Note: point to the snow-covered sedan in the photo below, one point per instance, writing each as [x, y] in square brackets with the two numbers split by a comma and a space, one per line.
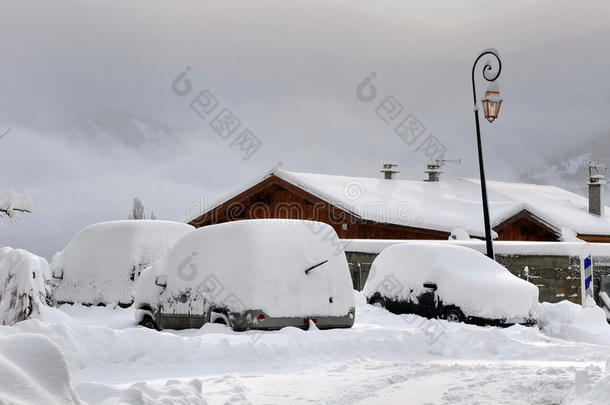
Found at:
[449, 282]
[250, 274]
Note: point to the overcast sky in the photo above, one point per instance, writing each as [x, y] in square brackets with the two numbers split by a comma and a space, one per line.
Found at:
[87, 89]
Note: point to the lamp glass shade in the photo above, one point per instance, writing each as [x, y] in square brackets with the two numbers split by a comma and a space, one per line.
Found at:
[491, 105]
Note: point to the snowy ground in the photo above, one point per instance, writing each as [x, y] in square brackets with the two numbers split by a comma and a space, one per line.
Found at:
[383, 359]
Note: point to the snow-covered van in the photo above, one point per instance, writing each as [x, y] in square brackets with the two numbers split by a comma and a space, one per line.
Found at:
[102, 262]
[250, 274]
[450, 282]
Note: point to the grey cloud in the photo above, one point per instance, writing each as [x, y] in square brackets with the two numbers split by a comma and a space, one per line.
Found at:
[87, 87]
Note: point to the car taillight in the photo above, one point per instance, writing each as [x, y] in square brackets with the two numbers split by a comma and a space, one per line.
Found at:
[261, 317]
[306, 320]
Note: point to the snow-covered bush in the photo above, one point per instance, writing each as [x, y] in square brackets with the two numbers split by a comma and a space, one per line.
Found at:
[25, 285]
[103, 261]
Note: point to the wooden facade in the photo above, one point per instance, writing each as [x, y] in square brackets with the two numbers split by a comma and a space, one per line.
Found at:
[277, 198]
[526, 226]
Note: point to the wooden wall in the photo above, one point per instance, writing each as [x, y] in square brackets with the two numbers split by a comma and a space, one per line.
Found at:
[524, 227]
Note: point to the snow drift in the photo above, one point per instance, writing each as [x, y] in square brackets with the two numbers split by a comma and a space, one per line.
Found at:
[25, 285]
[466, 278]
[33, 370]
[570, 321]
[102, 262]
[590, 388]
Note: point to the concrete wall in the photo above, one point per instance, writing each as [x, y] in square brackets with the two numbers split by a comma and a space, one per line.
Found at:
[557, 277]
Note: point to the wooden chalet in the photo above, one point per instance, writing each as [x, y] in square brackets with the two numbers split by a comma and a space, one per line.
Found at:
[389, 208]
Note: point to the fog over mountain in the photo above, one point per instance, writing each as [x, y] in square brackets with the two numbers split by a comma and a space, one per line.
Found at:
[87, 89]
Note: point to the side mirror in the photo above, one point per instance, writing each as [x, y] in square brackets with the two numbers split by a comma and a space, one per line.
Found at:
[161, 281]
[430, 286]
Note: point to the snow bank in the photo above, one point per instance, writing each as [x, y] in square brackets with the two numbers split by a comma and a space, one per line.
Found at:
[11, 203]
[260, 264]
[107, 355]
[142, 393]
[103, 260]
[478, 285]
[33, 370]
[589, 388]
[24, 285]
[570, 321]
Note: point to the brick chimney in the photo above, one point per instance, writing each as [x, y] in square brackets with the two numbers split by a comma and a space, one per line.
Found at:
[596, 189]
[387, 168]
[434, 170]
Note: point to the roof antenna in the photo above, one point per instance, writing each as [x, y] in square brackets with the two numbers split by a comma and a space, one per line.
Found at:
[434, 168]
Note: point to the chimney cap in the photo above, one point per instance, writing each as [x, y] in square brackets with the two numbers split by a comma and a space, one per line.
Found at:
[387, 168]
[434, 168]
[597, 179]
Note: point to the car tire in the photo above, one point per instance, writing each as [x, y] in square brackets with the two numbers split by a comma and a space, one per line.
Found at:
[148, 322]
[220, 318]
[378, 303]
[453, 314]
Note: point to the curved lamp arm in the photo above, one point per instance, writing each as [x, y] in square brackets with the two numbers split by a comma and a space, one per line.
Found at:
[488, 70]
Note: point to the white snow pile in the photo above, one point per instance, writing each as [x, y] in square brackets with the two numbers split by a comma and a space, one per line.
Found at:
[33, 370]
[260, 264]
[11, 203]
[25, 285]
[141, 393]
[103, 261]
[459, 234]
[590, 388]
[570, 321]
[466, 278]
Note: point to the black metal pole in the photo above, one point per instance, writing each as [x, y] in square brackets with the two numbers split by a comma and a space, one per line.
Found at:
[488, 239]
[487, 67]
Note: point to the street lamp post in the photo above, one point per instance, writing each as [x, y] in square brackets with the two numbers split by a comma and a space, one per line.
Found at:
[491, 106]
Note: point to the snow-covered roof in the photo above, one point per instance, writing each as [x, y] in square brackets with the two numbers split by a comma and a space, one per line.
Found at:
[445, 205]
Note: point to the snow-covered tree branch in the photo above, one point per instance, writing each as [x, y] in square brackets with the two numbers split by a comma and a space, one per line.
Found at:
[12, 203]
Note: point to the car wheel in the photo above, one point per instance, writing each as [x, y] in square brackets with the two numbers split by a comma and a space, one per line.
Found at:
[454, 315]
[219, 318]
[148, 322]
[378, 304]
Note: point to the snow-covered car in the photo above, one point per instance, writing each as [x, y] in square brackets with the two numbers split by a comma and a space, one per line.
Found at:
[251, 274]
[449, 282]
[102, 262]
